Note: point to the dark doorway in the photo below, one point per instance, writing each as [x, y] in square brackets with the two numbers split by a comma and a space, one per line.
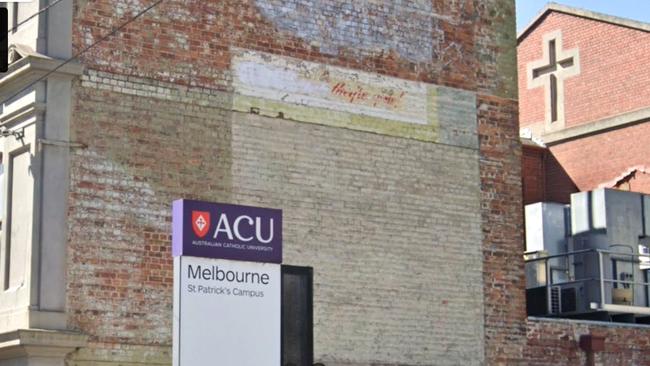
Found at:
[297, 316]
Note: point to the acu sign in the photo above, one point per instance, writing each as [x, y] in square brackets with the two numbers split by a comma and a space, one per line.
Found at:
[217, 230]
[227, 284]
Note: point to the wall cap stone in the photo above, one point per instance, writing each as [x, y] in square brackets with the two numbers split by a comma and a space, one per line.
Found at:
[29, 69]
[39, 343]
[599, 126]
[535, 319]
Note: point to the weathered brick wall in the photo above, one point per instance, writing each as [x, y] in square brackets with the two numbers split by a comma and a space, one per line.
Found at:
[387, 223]
[502, 214]
[500, 169]
[190, 42]
[609, 54]
[393, 226]
[556, 342]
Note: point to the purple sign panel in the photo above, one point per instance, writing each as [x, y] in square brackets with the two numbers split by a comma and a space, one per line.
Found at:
[219, 230]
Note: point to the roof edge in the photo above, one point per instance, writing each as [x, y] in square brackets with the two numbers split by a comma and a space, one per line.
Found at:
[582, 13]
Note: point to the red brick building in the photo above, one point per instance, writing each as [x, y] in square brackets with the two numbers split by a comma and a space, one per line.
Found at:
[583, 92]
[584, 108]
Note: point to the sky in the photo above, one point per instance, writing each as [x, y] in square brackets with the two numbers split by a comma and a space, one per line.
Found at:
[631, 9]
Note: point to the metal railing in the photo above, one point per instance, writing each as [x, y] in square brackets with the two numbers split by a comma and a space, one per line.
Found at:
[607, 280]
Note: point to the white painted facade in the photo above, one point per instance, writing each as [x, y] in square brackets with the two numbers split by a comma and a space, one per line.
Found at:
[35, 156]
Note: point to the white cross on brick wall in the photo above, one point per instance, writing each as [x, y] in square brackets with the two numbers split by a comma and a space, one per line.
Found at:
[550, 72]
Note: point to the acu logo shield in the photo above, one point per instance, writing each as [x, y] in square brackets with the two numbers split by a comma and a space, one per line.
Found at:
[200, 223]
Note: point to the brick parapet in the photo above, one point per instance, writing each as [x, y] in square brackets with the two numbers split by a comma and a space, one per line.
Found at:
[556, 341]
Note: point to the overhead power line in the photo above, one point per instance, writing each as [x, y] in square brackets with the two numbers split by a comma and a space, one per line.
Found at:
[102, 39]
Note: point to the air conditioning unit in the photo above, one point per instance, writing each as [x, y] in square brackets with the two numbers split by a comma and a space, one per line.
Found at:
[565, 299]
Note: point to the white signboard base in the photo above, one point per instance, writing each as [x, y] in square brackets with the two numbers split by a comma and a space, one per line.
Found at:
[226, 313]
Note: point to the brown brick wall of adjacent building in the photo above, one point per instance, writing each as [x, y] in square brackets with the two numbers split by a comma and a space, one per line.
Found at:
[608, 53]
[544, 179]
[533, 174]
[559, 184]
[602, 159]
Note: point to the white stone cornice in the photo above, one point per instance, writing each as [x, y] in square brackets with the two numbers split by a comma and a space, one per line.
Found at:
[26, 343]
[19, 115]
[29, 69]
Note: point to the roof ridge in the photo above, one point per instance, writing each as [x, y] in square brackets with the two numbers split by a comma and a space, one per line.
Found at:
[582, 13]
